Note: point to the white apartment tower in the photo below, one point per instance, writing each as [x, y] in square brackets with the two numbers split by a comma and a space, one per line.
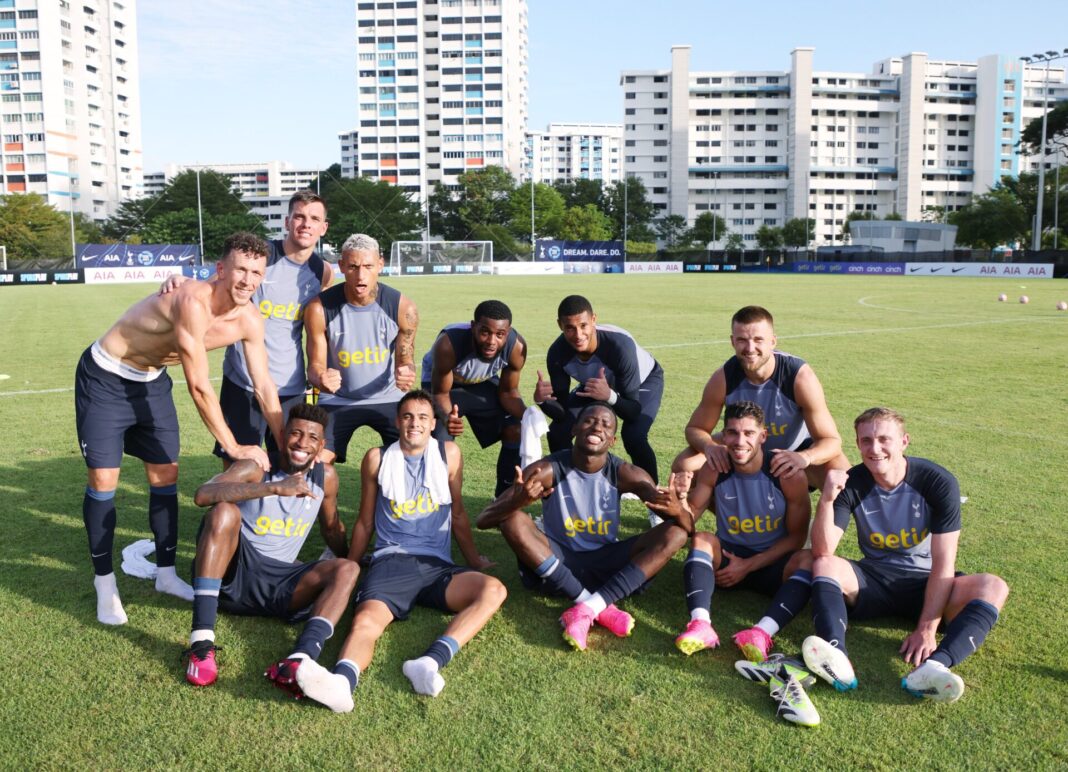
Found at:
[570, 151]
[442, 89]
[762, 147]
[70, 99]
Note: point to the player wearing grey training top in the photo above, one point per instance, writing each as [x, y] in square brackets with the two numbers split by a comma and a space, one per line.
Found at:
[361, 348]
[907, 512]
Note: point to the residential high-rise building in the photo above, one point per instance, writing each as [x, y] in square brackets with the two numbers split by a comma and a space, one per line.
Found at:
[570, 151]
[442, 89]
[912, 137]
[71, 105]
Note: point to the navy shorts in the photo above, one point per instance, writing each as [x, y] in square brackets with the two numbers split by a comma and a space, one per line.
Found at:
[346, 419]
[256, 585]
[592, 568]
[766, 580]
[243, 415]
[480, 404]
[404, 581]
[887, 596]
[116, 415]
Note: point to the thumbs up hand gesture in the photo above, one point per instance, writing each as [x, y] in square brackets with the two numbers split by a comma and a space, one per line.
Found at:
[455, 425]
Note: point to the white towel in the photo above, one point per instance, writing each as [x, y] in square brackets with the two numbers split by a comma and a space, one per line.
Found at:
[391, 474]
[531, 430]
[135, 560]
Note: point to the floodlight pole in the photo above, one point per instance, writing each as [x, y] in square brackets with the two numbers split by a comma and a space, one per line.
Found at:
[200, 219]
[1047, 57]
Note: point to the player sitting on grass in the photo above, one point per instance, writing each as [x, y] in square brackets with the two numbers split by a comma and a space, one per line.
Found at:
[248, 546]
[410, 501]
[473, 371]
[907, 512]
[580, 547]
[761, 520]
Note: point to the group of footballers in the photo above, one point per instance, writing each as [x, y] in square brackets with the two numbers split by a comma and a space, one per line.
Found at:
[754, 473]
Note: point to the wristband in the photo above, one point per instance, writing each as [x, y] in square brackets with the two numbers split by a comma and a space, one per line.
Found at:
[613, 397]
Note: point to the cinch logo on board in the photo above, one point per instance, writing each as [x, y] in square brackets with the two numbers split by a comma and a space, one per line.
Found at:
[279, 527]
[292, 312]
[421, 505]
[366, 356]
[765, 524]
[903, 539]
[575, 525]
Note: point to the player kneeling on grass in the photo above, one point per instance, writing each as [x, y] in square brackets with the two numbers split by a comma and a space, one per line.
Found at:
[907, 512]
[580, 547]
[248, 545]
[411, 500]
[761, 521]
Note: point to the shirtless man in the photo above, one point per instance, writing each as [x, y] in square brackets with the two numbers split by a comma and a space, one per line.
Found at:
[122, 397]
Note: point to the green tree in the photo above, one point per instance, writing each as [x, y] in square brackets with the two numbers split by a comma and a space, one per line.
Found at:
[485, 196]
[735, 243]
[991, 219]
[444, 211]
[797, 232]
[183, 227]
[31, 228]
[933, 213]
[130, 217]
[87, 230]
[853, 217]
[548, 211]
[375, 207]
[581, 191]
[707, 228]
[639, 210]
[586, 223]
[1056, 131]
[769, 238]
[671, 229]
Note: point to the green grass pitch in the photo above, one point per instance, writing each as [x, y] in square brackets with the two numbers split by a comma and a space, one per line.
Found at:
[982, 384]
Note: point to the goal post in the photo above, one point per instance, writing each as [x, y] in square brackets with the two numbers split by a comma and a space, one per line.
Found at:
[440, 257]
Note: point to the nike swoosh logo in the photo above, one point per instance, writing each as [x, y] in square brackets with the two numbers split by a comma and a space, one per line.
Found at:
[169, 549]
[913, 270]
[102, 554]
[957, 270]
[729, 498]
[936, 270]
[692, 593]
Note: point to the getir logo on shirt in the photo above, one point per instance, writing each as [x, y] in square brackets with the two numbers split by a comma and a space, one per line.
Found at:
[292, 312]
[421, 505]
[365, 356]
[903, 539]
[575, 525]
[276, 526]
[758, 524]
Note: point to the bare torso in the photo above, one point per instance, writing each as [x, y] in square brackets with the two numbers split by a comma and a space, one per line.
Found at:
[145, 336]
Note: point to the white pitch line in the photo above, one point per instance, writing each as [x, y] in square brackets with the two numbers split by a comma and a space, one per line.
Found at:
[834, 333]
[61, 391]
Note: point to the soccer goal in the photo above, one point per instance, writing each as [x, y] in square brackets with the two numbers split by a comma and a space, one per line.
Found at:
[440, 257]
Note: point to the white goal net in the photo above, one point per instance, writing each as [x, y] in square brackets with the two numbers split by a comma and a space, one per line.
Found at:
[440, 257]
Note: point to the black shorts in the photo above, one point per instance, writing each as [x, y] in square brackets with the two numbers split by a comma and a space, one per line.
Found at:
[346, 419]
[480, 404]
[115, 415]
[766, 580]
[592, 568]
[256, 585]
[404, 581]
[881, 595]
[243, 415]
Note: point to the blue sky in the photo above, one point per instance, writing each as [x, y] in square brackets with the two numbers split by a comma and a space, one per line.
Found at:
[226, 81]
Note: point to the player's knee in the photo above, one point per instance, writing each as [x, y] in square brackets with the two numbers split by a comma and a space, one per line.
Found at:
[675, 539]
[799, 561]
[222, 519]
[825, 565]
[515, 527]
[346, 572]
[494, 592]
[993, 589]
[704, 541]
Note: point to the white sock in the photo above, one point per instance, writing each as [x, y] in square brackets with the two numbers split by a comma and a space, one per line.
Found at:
[596, 602]
[769, 626]
[326, 688]
[109, 609]
[584, 596]
[167, 581]
[298, 655]
[424, 675]
[702, 614]
[201, 635]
